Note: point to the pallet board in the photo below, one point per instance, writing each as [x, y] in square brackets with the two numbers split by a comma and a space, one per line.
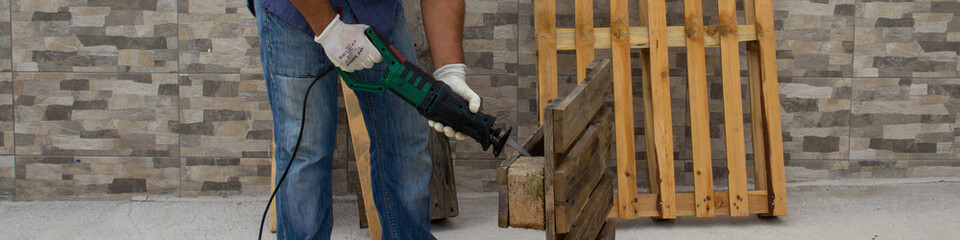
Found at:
[653, 37]
[563, 188]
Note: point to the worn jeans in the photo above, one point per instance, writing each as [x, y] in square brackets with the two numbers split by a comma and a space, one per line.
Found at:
[400, 164]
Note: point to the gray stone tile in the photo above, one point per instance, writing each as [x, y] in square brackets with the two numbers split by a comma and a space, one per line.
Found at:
[8, 182]
[224, 115]
[815, 118]
[907, 39]
[490, 36]
[475, 175]
[6, 114]
[814, 38]
[807, 171]
[94, 36]
[96, 114]
[6, 40]
[218, 37]
[224, 176]
[904, 168]
[904, 119]
[65, 177]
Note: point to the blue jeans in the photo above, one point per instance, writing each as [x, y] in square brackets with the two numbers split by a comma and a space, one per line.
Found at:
[400, 164]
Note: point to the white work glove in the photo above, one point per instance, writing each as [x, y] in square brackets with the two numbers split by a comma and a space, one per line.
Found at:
[347, 47]
[454, 76]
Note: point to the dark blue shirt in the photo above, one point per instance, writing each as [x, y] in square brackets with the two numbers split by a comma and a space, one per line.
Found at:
[376, 13]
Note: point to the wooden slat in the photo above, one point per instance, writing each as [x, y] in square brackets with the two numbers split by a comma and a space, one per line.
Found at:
[549, 166]
[534, 146]
[579, 173]
[525, 188]
[566, 39]
[361, 150]
[771, 107]
[623, 107]
[686, 206]
[576, 109]
[756, 104]
[594, 214]
[443, 186]
[546, 33]
[733, 107]
[699, 113]
[273, 185]
[578, 169]
[584, 36]
[660, 98]
[609, 230]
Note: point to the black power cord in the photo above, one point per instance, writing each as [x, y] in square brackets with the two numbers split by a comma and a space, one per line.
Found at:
[303, 116]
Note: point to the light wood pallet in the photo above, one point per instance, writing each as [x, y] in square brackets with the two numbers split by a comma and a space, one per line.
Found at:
[565, 188]
[653, 37]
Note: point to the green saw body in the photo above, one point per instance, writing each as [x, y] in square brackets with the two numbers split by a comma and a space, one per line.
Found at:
[432, 98]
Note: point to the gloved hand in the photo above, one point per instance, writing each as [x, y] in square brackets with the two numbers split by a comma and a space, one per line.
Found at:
[454, 75]
[347, 47]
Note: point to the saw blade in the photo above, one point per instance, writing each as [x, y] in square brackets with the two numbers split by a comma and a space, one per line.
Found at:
[515, 145]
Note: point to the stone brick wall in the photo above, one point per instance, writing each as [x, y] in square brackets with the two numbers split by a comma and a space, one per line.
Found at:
[116, 98]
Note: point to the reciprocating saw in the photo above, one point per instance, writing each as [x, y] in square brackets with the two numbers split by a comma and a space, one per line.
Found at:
[432, 98]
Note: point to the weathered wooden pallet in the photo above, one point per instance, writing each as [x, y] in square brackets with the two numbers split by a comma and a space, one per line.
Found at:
[565, 188]
[653, 38]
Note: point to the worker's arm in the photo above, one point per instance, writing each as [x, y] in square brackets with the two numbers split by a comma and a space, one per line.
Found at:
[443, 23]
[317, 13]
[344, 44]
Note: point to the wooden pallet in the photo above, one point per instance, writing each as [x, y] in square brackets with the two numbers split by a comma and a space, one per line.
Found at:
[566, 188]
[653, 38]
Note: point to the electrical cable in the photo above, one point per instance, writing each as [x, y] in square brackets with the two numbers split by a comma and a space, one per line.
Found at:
[303, 116]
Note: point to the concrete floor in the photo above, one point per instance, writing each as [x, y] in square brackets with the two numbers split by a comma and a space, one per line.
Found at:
[876, 209]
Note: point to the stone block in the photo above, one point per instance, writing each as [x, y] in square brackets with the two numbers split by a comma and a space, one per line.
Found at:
[217, 40]
[112, 115]
[62, 36]
[904, 119]
[224, 176]
[224, 115]
[92, 178]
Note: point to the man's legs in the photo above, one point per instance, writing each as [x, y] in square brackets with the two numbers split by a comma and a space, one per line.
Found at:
[291, 60]
[399, 161]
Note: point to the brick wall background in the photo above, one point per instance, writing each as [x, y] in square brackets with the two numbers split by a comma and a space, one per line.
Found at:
[115, 98]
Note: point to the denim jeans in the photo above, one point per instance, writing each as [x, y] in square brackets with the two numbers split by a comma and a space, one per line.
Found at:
[400, 164]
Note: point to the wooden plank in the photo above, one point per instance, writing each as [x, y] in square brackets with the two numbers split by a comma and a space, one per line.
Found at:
[273, 185]
[686, 206]
[623, 107]
[733, 108]
[582, 169]
[534, 146]
[361, 150]
[771, 107]
[443, 186]
[526, 192]
[594, 214]
[549, 166]
[699, 113]
[577, 108]
[584, 36]
[660, 98]
[756, 104]
[648, 133]
[609, 230]
[546, 27]
[566, 37]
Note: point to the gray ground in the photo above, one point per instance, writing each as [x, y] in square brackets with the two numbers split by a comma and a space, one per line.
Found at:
[885, 209]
